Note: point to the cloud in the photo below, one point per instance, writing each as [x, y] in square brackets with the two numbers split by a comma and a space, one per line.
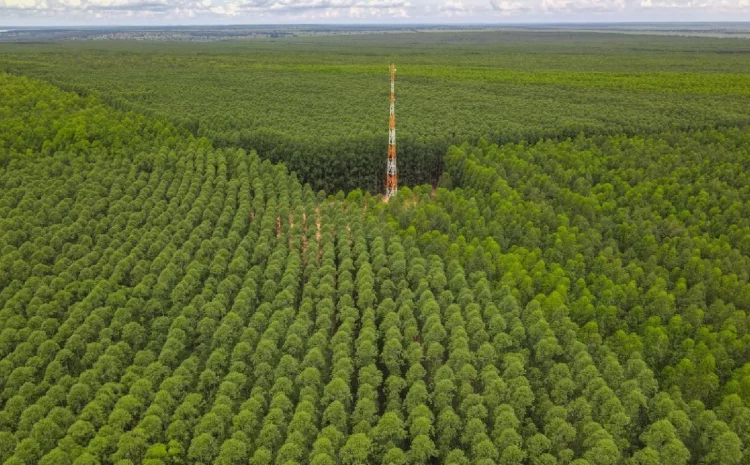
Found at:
[304, 5]
[459, 9]
[120, 5]
[116, 8]
[305, 10]
[23, 5]
[582, 6]
[484, 10]
[315, 9]
[505, 7]
[452, 7]
[686, 3]
[342, 11]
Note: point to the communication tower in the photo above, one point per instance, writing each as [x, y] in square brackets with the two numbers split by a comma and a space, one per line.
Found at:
[391, 177]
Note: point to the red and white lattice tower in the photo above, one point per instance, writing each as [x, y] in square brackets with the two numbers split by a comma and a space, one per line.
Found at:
[391, 175]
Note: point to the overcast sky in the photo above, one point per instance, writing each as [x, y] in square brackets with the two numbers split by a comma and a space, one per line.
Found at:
[160, 12]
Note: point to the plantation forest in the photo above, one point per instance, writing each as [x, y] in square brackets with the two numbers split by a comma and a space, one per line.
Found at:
[197, 265]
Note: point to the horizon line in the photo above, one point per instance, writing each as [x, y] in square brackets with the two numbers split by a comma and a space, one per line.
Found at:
[386, 25]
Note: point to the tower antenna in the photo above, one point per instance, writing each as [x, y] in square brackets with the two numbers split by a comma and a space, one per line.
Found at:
[391, 178]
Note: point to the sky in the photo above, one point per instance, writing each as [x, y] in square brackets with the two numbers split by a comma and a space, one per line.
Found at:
[184, 12]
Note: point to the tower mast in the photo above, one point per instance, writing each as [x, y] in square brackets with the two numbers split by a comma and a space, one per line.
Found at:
[391, 179]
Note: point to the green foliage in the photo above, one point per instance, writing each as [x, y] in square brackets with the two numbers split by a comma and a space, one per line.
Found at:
[321, 107]
[172, 300]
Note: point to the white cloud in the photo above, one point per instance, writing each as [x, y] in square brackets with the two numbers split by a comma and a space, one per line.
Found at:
[23, 4]
[302, 5]
[580, 6]
[452, 7]
[315, 9]
[506, 8]
[127, 5]
[737, 7]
